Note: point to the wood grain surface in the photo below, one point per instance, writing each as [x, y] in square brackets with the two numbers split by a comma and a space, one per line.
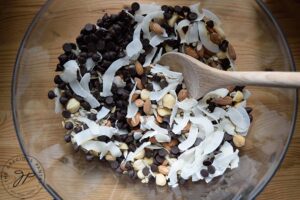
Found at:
[16, 15]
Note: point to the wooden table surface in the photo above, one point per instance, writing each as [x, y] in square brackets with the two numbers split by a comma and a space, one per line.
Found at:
[15, 16]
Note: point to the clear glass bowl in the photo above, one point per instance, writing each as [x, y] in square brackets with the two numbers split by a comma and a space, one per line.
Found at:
[260, 45]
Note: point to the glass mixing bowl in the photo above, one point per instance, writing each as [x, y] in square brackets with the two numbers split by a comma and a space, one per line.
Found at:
[260, 45]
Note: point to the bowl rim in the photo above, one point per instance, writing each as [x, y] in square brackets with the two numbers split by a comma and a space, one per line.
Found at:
[52, 192]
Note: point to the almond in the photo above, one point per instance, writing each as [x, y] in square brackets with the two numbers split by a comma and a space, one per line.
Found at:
[167, 146]
[159, 119]
[183, 94]
[172, 21]
[223, 101]
[191, 52]
[231, 52]
[200, 52]
[230, 88]
[139, 83]
[173, 142]
[163, 169]
[156, 28]
[139, 103]
[215, 38]
[145, 94]
[134, 97]
[133, 122]
[139, 68]
[147, 107]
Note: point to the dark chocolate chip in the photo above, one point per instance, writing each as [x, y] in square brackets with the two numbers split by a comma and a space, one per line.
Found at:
[148, 154]
[149, 86]
[96, 57]
[162, 152]
[63, 100]
[110, 55]
[67, 138]
[211, 106]
[192, 16]
[154, 168]
[175, 150]
[207, 163]
[186, 9]
[181, 181]
[165, 8]
[114, 164]
[69, 125]
[227, 137]
[135, 6]
[89, 28]
[59, 68]
[146, 171]
[211, 169]
[204, 173]
[128, 166]
[224, 45]
[109, 100]
[81, 60]
[156, 78]
[63, 58]
[67, 47]
[163, 84]
[77, 129]
[168, 15]
[210, 24]
[85, 105]
[100, 45]
[58, 80]
[178, 9]
[51, 94]
[92, 116]
[66, 114]
[159, 159]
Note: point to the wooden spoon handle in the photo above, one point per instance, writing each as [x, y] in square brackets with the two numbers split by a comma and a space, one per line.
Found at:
[279, 79]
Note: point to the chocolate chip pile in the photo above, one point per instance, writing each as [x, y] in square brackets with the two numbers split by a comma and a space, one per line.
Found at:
[119, 105]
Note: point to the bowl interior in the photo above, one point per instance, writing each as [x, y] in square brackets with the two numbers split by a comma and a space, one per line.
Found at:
[258, 46]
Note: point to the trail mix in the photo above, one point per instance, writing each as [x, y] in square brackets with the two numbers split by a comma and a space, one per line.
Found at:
[120, 105]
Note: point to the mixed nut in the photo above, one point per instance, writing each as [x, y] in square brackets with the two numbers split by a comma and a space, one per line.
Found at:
[119, 105]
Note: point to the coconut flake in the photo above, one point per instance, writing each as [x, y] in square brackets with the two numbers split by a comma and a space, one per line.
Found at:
[193, 133]
[85, 80]
[134, 48]
[109, 75]
[102, 113]
[150, 57]
[78, 89]
[152, 125]
[227, 126]
[192, 34]
[196, 9]
[210, 15]
[187, 104]
[90, 64]
[102, 147]
[179, 27]
[158, 56]
[70, 71]
[158, 95]
[205, 38]
[132, 109]
[203, 123]
[239, 118]
[212, 141]
[181, 123]
[119, 82]
[156, 86]
[172, 176]
[58, 106]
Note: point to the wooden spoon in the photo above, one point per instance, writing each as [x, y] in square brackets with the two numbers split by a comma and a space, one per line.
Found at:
[201, 78]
